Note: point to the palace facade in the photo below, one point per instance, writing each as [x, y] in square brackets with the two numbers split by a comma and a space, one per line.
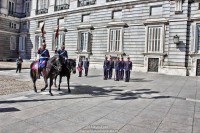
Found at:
[158, 35]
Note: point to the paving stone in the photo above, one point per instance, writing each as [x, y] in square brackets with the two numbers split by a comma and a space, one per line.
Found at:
[145, 122]
[18, 127]
[154, 115]
[107, 124]
[84, 118]
[135, 129]
[7, 120]
[43, 120]
[181, 119]
[119, 117]
[64, 126]
[171, 127]
[99, 111]
[41, 131]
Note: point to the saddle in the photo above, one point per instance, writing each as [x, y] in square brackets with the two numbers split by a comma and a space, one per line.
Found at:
[36, 67]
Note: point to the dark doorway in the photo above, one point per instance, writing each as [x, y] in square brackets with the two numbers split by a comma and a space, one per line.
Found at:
[198, 67]
[153, 64]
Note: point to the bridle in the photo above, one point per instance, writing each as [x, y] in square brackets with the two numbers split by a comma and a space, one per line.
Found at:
[54, 66]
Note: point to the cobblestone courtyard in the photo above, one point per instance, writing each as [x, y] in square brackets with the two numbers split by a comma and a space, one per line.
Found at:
[150, 103]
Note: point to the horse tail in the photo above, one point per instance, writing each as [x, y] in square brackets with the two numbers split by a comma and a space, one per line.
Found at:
[31, 71]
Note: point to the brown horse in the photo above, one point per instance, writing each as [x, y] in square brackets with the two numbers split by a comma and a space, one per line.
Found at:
[53, 68]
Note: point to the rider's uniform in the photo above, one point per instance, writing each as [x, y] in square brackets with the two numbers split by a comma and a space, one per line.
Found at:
[44, 57]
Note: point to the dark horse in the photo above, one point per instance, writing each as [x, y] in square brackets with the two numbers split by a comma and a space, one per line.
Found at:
[67, 68]
[53, 67]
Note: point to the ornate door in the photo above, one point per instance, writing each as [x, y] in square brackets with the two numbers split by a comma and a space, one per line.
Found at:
[198, 67]
[153, 64]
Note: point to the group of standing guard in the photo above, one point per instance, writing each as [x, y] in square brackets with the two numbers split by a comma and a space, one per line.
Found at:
[122, 69]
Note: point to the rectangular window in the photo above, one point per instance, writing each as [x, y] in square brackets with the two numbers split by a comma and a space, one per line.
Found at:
[85, 18]
[61, 5]
[117, 15]
[27, 8]
[13, 43]
[60, 2]
[57, 42]
[178, 5]
[42, 6]
[14, 25]
[84, 40]
[22, 43]
[86, 2]
[61, 21]
[40, 24]
[11, 7]
[154, 39]
[198, 41]
[38, 42]
[156, 10]
[83, 43]
[115, 40]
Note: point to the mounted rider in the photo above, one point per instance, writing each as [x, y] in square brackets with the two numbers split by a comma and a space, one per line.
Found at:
[63, 53]
[44, 57]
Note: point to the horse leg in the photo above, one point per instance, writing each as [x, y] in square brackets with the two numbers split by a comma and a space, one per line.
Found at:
[60, 80]
[51, 83]
[46, 84]
[34, 78]
[55, 81]
[68, 77]
[34, 86]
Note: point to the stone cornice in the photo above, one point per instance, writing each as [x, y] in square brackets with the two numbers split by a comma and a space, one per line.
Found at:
[117, 24]
[88, 26]
[156, 21]
[4, 16]
[120, 4]
[61, 29]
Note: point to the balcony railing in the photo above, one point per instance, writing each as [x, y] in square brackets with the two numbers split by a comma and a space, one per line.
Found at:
[41, 11]
[16, 14]
[86, 2]
[61, 7]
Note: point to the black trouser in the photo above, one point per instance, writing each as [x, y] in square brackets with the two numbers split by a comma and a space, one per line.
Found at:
[127, 73]
[122, 74]
[117, 75]
[19, 67]
[105, 73]
[80, 73]
[110, 73]
[86, 71]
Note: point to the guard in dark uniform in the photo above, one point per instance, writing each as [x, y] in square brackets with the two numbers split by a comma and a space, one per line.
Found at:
[128, 67]
[117, 68]
[86, 66]
[44, 57]
[111, 66]
[19, 64]
[80, 67]
[106, 68]
[121, 69]
[63, 53]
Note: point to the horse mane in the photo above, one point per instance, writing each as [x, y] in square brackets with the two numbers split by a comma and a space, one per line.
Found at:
[53, 58]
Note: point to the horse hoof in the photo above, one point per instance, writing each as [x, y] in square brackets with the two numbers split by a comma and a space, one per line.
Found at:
[42, 89]
[59, 89]
[69, 91]
[51, 94]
